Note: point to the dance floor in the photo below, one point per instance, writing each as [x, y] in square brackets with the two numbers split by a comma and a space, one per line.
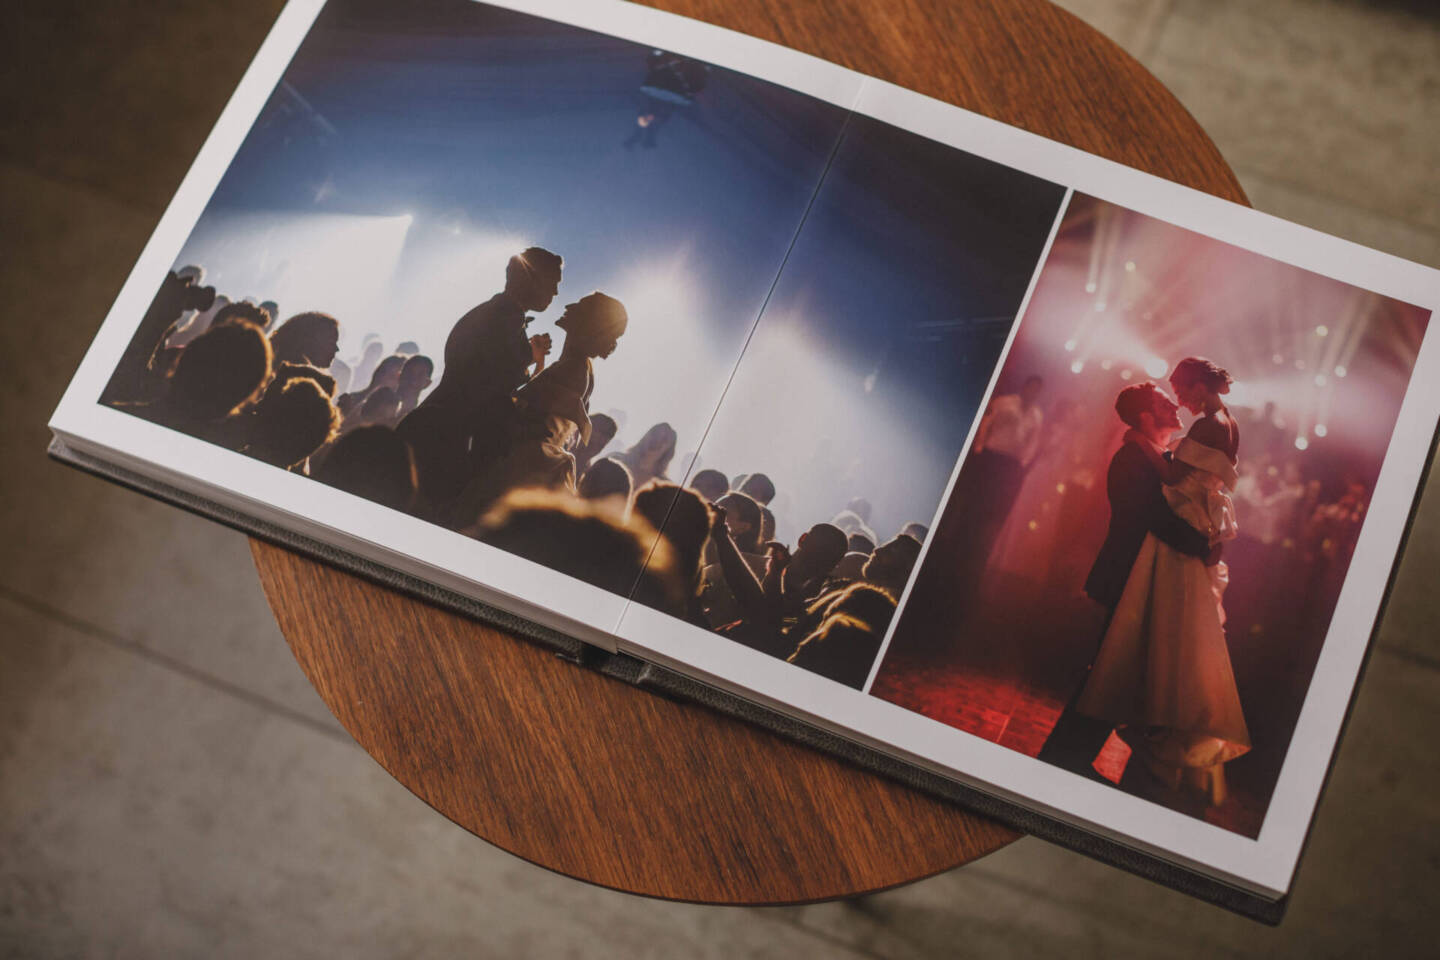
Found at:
[1006, 678]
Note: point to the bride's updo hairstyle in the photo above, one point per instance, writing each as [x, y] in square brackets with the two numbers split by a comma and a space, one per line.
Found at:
[1204, 372]
[596, 315]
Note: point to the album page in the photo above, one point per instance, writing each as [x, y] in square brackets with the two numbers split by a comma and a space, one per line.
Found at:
[1086, 487]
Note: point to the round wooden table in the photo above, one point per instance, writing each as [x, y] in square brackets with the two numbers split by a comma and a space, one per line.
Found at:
[595, 779]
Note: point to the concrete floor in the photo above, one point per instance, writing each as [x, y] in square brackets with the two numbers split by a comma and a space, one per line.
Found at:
[171, 786]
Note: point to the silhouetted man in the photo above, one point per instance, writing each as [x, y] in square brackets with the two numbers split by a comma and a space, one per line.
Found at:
[1137, 508]
[464, 420]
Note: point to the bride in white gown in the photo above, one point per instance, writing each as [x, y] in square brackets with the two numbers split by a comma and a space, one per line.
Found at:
[1163, 674]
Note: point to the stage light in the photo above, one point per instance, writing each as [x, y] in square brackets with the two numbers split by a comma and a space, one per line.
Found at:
[1126, 374]
[343, 264]
[1340, 372]
[1299, 364]
[787, 353]
[1320, 430]
[1077, 366]
[1320, 380]
[1100, 307]
[1129, 266]
[1059, 488]
[1090, 287]
[1032, 525]
[1322, 331]
[1106, 364]
[1156, 367]
[1276, 359]
[674, 79]
[1070, 345]
[446, 276]
[667, 319]
[1301, 443]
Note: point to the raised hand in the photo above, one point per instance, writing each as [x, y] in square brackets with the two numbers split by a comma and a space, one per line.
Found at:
[539, 349]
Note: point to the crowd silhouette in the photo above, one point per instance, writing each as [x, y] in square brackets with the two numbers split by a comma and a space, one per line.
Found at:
[505, 448]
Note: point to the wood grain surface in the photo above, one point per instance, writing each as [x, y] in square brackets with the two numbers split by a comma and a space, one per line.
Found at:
[594, 779]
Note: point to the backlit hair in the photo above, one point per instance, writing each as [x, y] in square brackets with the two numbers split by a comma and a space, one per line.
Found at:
[1136, 399]
[294, 339]
[219, 371]
[1202, 371]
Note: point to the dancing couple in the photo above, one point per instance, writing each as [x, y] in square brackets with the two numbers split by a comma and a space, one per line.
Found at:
[499, 417]
[1161, 677]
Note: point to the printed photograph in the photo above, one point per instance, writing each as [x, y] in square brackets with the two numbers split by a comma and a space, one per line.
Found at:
[1137, 565]
[672, 330]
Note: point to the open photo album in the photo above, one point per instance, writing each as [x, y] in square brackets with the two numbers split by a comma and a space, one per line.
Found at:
[1027, 472]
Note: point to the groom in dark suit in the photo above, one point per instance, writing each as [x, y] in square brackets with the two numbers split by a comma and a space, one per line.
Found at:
[1137, 508]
